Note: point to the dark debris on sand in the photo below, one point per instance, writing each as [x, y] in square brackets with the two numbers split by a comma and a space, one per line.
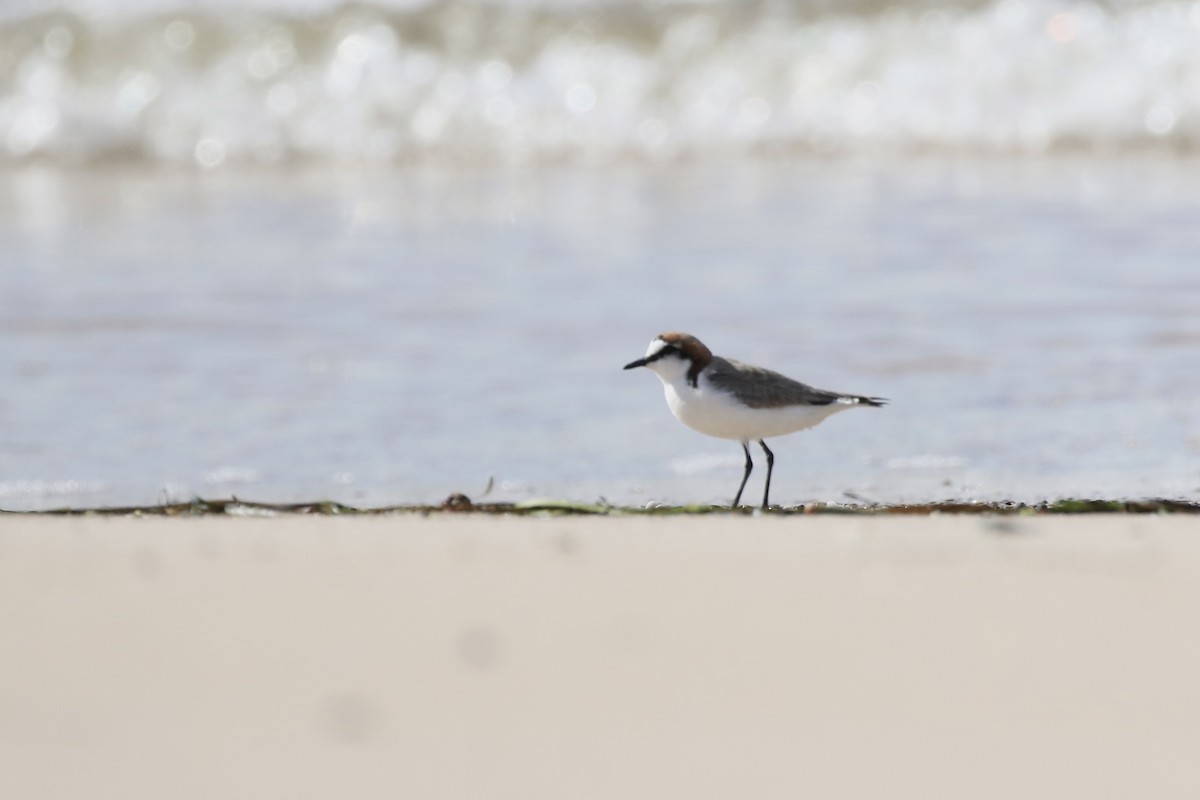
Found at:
[459, 503]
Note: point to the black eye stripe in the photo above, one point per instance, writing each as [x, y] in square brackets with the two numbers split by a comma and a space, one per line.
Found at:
[666, 351]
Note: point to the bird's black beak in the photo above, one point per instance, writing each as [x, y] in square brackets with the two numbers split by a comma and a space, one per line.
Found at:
[641, 362]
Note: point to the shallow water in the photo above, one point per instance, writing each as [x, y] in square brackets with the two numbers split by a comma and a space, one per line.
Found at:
[396, 335]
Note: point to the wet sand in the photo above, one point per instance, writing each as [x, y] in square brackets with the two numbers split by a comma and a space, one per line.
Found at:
[476, 657]
[324, 304]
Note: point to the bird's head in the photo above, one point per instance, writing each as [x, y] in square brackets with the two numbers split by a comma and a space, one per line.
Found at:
[673, 356]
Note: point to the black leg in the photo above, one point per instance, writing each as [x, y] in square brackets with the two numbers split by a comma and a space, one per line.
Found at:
[745, 477]
[770, 466]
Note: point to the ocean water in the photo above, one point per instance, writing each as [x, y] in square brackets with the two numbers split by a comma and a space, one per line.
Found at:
[380, 253]
[515, 81]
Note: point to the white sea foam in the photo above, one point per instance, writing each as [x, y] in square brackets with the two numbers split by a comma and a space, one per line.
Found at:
[21, 489]
[214, 85]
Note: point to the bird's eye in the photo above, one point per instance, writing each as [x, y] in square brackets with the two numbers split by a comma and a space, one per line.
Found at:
[663, 352]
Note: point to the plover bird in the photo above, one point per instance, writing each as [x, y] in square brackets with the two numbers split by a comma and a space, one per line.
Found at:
[732, 400]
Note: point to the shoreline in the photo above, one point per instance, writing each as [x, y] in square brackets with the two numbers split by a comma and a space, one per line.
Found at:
[461, 504]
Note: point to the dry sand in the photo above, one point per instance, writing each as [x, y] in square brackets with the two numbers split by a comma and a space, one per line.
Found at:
[475, 657]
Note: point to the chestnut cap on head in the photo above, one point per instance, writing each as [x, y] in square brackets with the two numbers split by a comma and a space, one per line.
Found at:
[683, 345]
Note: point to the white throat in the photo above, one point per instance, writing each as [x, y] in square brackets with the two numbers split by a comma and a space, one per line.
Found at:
[671, 370]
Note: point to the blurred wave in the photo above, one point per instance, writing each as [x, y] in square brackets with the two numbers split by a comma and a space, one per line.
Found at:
[269, 81]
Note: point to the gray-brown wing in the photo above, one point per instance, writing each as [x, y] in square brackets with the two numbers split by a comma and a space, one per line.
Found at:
[764, 388]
